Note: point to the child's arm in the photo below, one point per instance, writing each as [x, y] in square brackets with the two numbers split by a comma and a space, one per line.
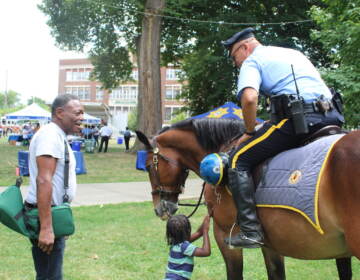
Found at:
[205, 250]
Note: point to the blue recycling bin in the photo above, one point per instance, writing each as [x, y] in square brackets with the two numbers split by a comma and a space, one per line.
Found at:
[120, 140]
[23, 163]
[141, 157]
[76, 146]
[80, 163]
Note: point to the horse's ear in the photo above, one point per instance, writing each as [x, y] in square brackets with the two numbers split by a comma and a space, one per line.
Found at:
[143, 139]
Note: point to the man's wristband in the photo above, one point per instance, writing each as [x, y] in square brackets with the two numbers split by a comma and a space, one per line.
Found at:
[250, 133]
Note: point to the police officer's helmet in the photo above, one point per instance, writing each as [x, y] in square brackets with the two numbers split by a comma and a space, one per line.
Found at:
[213, 168]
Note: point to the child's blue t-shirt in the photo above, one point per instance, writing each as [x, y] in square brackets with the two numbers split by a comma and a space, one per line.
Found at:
[180, 262]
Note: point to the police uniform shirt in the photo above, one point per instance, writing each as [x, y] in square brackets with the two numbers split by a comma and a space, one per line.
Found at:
[268, 69]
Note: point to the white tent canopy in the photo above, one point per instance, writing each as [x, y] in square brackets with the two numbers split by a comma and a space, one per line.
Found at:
[88, 119]
[31, 112]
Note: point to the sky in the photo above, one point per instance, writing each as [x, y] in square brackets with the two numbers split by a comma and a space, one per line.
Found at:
[29, 59]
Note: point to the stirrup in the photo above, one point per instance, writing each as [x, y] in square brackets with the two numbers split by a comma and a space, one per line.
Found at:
[256, 243]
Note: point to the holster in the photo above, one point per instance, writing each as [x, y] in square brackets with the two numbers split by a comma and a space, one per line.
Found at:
[337, 100]
[285, 106]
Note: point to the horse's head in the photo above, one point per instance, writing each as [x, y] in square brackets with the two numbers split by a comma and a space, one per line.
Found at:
[179, 148]
[167, 176]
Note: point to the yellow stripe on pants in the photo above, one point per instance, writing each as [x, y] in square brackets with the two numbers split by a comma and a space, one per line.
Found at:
[256, 141]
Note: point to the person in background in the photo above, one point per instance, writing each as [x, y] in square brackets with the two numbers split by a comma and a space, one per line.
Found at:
[182, 252]
[37, 127]
[26, 134]
[127, 136]
[46, 166]
[86, 132]
[96, 133]
[105, 134]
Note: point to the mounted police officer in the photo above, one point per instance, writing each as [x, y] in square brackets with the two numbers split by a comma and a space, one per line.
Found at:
[301, 104]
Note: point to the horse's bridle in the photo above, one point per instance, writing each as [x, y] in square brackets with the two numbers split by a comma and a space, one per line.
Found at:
[154, 169]
[159, 188]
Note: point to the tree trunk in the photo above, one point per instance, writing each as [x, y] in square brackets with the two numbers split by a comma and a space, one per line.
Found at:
[149, 99]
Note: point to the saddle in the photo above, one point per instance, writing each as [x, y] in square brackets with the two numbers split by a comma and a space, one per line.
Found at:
[325, 131]
[290, 179]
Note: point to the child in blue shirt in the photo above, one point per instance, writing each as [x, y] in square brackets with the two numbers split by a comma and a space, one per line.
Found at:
[182, 252]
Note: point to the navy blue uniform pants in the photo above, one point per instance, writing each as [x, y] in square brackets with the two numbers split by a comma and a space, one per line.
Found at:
[272, 139]
[49, 267]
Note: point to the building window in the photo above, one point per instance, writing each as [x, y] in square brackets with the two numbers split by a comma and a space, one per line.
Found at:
[172, 91]
[126, 92]
[170, 112]
[135, 75]
[83, 93]
[99, 93]
[80, 74]
[172, 74]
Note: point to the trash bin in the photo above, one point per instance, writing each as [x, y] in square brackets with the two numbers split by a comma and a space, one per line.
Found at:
[141, 157]
[90, 145]
[80, 163]
[120, 140]
[23, 163]
[76, 146]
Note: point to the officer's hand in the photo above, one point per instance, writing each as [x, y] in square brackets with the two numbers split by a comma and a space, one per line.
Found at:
[46, 241]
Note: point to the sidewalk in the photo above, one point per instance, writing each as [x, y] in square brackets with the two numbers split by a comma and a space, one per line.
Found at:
[109, 193]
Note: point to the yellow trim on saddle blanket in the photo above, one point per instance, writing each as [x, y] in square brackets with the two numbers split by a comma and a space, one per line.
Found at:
[316, 225]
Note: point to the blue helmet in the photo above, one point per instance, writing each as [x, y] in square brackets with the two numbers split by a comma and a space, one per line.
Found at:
[213, 167]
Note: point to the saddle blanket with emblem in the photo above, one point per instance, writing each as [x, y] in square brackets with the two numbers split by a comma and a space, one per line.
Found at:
[292, 179]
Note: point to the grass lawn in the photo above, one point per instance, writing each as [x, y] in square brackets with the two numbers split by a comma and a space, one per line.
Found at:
[114, 166]
[126, 242]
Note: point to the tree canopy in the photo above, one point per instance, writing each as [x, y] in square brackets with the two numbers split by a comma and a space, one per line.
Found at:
[339, 32]
[196, 42]
[191, 35]
[9, 99]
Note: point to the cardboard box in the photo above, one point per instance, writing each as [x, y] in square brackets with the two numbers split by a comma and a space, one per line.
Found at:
[12, 142]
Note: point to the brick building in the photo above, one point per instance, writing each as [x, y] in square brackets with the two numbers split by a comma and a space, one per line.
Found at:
[74, 79]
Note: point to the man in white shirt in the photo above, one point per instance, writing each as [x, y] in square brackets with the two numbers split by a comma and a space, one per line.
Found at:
[105, 134]
[46, 166]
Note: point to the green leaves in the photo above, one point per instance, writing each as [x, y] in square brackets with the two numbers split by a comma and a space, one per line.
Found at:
[339, 32]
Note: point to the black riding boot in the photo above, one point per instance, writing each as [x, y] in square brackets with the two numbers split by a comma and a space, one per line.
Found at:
[242, 188]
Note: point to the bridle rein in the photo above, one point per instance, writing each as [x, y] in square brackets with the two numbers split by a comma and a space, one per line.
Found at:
[153, 169]
[159, 188]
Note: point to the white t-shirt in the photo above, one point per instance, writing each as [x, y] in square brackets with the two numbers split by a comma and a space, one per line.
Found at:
[105, 131]
[49, 140]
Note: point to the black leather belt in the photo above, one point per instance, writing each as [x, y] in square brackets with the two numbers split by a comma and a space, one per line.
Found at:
[30, 205]
[312, 107]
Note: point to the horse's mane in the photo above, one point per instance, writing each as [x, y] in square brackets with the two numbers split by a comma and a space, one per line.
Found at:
[211, 133]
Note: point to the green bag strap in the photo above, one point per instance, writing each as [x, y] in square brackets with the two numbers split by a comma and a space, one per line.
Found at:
[66, 173]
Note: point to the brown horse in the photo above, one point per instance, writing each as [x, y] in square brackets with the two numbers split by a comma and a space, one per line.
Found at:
[175, 150]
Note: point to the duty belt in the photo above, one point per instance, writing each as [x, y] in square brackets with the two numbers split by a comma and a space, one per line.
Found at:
[313, 107]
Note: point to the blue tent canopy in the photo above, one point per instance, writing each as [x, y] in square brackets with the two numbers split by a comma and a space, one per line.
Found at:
[227, 111]
[88, 119]
[31, 112]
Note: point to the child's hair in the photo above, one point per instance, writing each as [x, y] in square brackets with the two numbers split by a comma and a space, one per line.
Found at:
[178, 229]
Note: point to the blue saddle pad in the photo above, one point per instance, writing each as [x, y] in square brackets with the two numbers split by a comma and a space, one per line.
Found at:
[292, 179]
